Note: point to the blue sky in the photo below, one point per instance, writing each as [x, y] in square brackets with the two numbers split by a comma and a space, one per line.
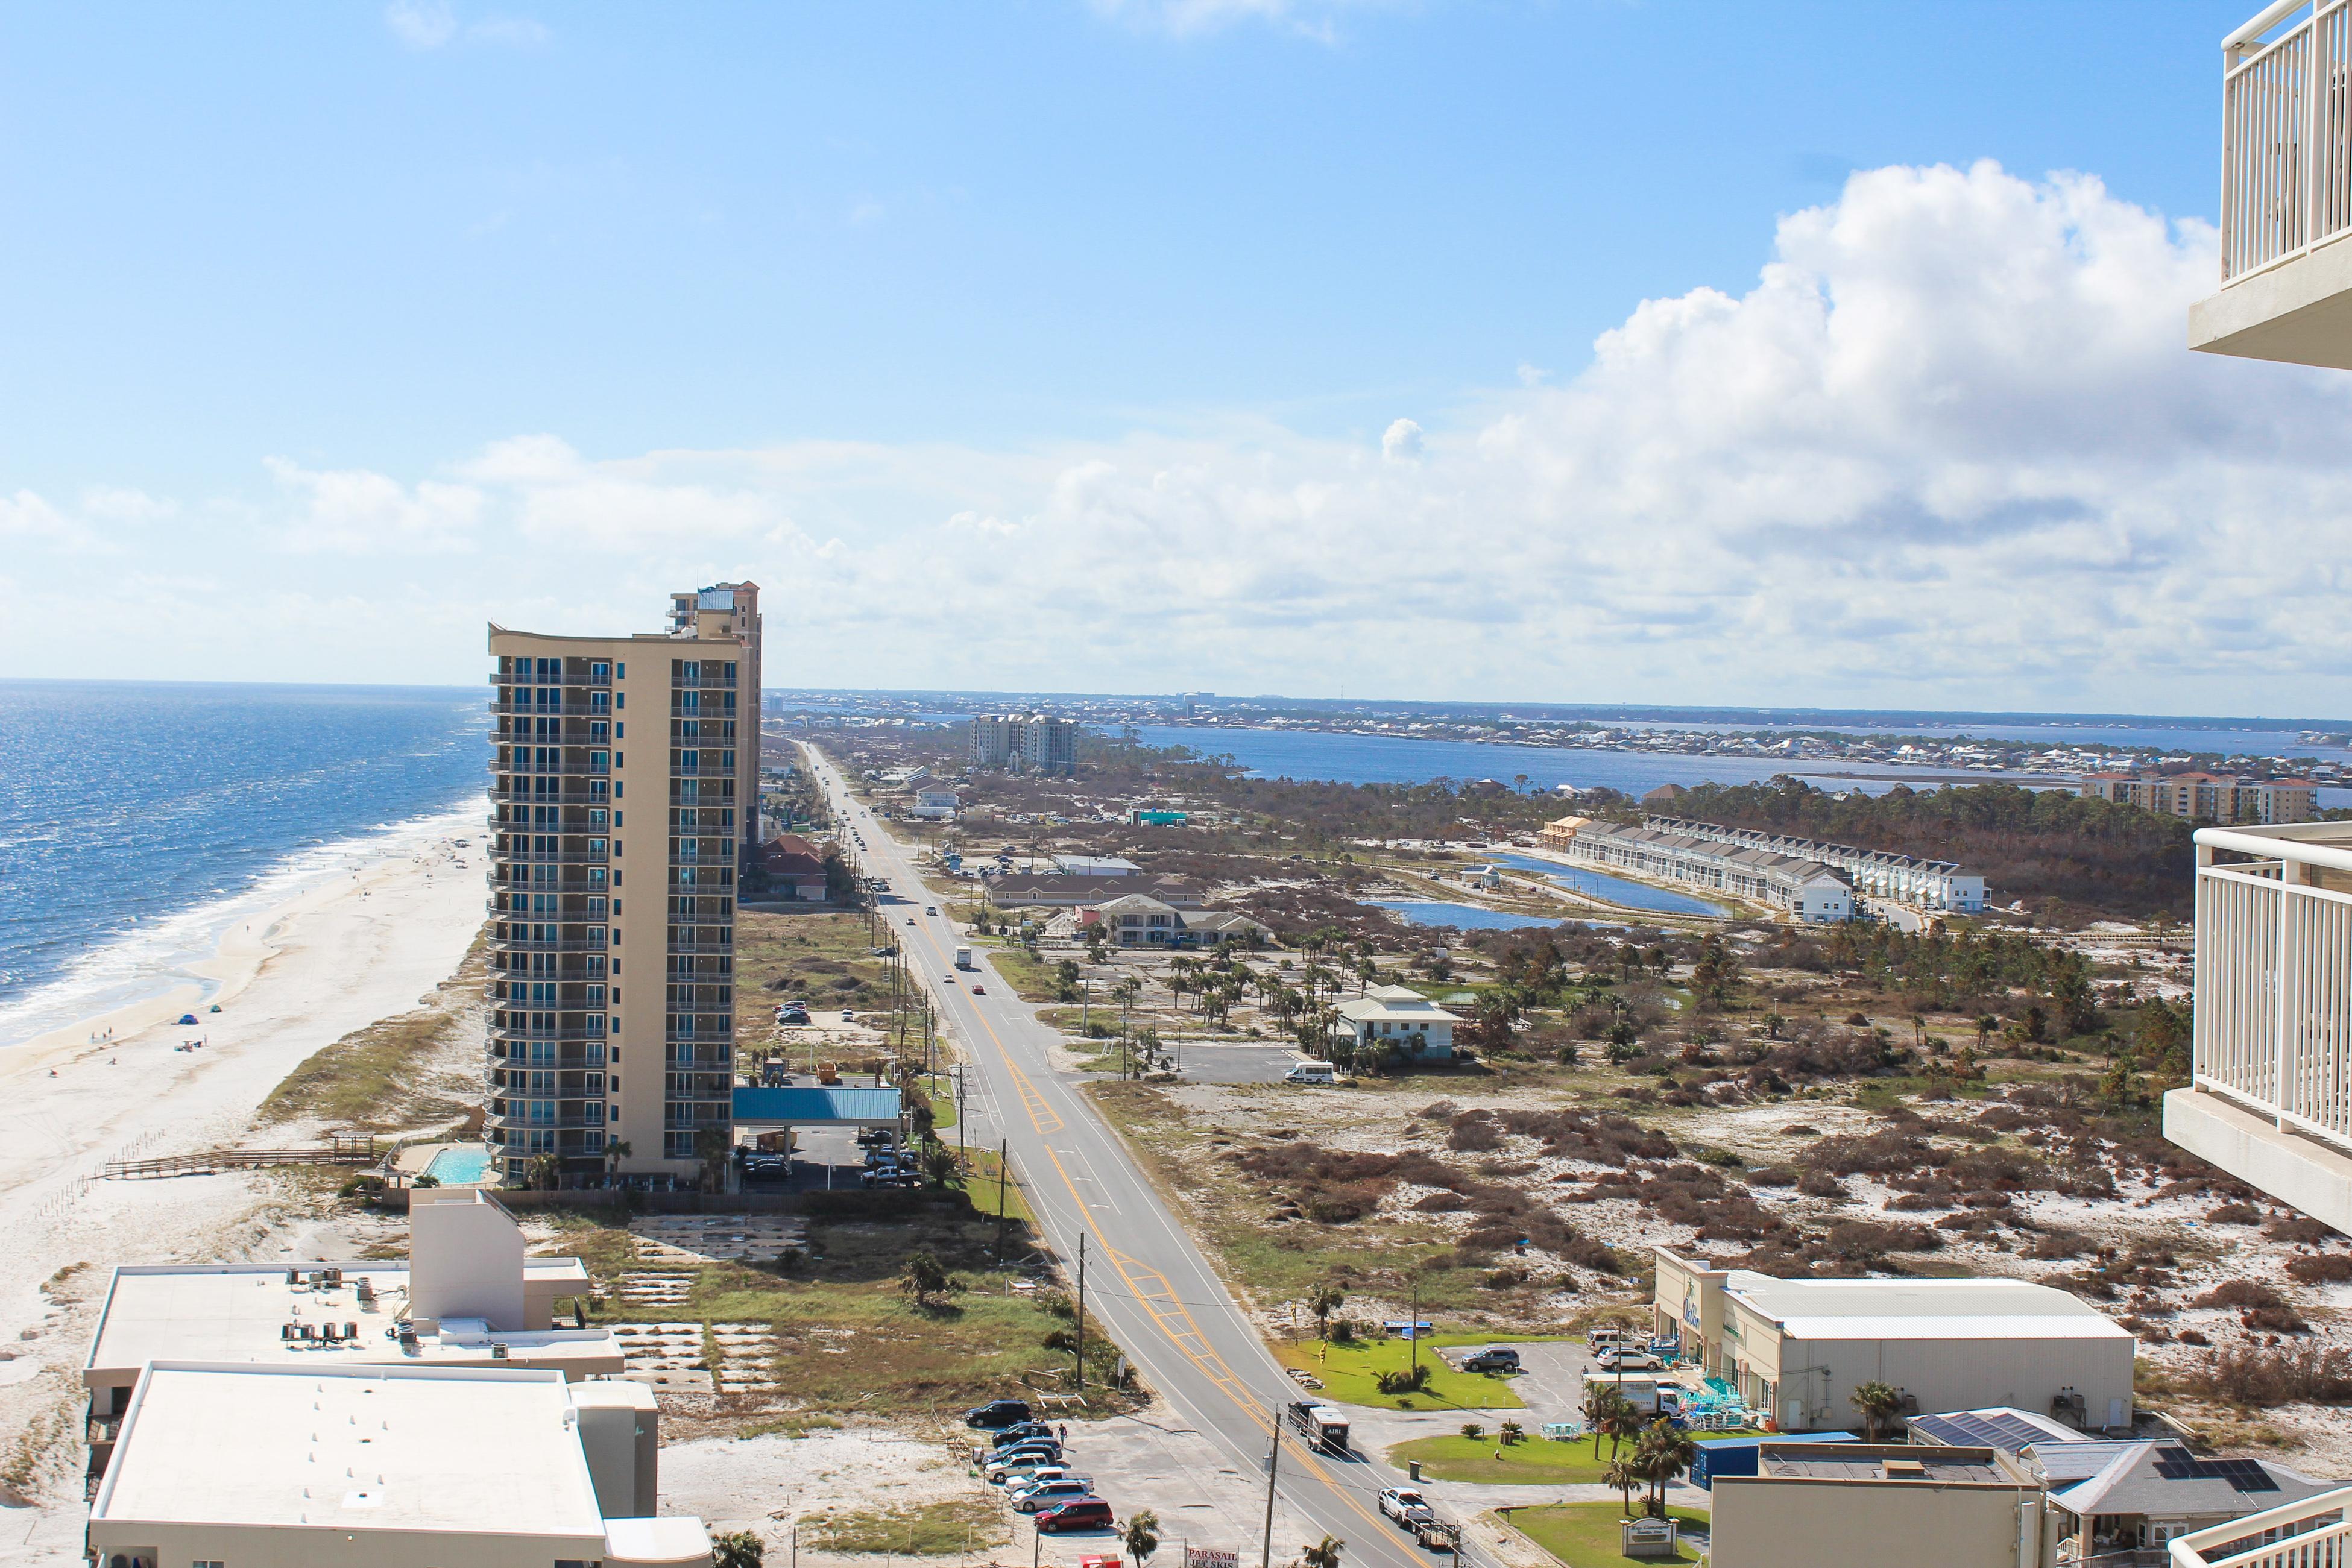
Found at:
[264, 228]
[270, 266]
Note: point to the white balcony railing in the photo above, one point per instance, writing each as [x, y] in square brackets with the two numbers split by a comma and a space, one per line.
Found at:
[2273, 1010]
[2312, 1534]
[2287, 133]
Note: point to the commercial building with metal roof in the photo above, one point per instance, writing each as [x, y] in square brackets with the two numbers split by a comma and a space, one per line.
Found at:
[1798, 1348]
[1813, 1504]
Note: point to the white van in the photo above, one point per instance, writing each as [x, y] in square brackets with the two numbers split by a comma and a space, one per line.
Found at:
[1311, 1072]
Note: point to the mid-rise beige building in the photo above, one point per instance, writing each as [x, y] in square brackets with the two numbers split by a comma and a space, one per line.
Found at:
[577, 1075]
[2210, 797]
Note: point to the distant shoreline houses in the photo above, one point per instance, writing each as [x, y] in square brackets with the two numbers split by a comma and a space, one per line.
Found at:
[1817, 883]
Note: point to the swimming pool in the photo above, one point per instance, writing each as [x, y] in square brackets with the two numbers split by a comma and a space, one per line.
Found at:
[459, 1167]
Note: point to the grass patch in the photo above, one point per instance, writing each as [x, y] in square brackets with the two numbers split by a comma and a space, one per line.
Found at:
[1280, 1264]
[850, 1339]
[799, 1424]
[1350, 1375]
[1031, 980]
[918, 1530]
[1584, 1534]
[825, 958]
[383, 1076]
[1536, 1461]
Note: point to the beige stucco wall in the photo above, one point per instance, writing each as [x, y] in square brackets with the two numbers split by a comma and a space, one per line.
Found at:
[1765, 1522]
[329, 1546]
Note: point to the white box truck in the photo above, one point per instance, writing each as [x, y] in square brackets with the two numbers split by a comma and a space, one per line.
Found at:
[963, 958]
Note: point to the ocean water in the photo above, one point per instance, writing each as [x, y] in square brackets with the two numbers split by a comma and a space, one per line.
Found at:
[137, 820]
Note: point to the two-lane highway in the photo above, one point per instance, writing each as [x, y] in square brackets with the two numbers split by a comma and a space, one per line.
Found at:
[1146, 1280]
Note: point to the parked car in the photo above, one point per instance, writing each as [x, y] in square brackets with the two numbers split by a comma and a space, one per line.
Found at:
[1079, 1513]
[1406, 1506]
[1626, 1359]
[999, 1471]
[1040, 1495]
[1494, 1358]
[1035, 1478]
[1021, 1432]
[997, 1413]
[1026, 1448]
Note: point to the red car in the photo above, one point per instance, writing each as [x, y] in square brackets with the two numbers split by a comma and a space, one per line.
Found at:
[1078, 1513]
[980, 990]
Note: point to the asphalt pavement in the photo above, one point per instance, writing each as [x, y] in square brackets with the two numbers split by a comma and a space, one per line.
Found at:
[1144, 1276]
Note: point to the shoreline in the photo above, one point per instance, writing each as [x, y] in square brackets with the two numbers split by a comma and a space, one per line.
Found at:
[228, 938]
[368, 942]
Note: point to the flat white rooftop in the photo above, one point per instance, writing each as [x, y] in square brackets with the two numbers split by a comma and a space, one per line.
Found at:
[238, 1313]
[380, 1448]
[1920, 1309]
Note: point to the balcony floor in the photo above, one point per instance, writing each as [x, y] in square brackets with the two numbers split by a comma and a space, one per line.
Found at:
[2299, 1171]
[2298, 312]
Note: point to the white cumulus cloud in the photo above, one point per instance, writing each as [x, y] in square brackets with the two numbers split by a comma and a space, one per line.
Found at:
[1401, 440]
[1945, 449]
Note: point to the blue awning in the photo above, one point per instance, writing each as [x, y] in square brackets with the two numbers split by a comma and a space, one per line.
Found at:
[812, 1107]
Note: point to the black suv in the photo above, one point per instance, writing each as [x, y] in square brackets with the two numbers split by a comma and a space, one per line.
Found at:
[1494, 1358]
[996, 1413]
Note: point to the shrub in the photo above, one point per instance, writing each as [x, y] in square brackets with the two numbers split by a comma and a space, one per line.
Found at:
[1471, 1430]
[1820, 1184]
[2235, 1214]
[2322, 1268]
[2298, 1230]
[2308, 1374]
[1406, 1380]
[2240, 1293]
[1772, 1175]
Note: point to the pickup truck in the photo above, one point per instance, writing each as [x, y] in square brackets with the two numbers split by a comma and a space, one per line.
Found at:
[1406, 1506]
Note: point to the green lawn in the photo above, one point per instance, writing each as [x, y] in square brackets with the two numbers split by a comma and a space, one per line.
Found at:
[1584, 1534]
[1350, 1375]
[1536, 1461]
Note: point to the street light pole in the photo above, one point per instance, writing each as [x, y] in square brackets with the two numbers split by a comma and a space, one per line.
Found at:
[1273, 1463]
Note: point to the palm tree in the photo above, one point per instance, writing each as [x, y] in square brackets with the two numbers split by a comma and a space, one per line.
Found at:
[541, 1172]
[1324, 1553]
[711, 1146]
[1663, 1454]
[1625, 1476]
[1323, 1300]
[1601, 1402]
[741, 1549]
[1877, 1402]
[615, 1151]
[1141, 1535]
[1623, 1426]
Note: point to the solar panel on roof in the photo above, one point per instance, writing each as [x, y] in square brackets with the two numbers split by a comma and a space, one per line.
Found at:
[2177, 1464]
[1967, 1429]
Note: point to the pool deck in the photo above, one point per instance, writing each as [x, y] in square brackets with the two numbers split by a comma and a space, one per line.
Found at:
[412, 1162]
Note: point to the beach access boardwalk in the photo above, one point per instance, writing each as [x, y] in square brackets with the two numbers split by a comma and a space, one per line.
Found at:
[343, 1149]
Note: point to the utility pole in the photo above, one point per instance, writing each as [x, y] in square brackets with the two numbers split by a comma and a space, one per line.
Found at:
[963, 1120]
[1273, 1462]
[1413, 1328]
[1003, 1164]
[1082, 1308]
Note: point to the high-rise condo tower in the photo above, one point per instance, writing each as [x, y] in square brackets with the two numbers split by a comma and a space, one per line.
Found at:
[585, 1084]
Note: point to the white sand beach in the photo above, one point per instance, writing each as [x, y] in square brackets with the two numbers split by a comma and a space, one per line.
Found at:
[366, 944]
